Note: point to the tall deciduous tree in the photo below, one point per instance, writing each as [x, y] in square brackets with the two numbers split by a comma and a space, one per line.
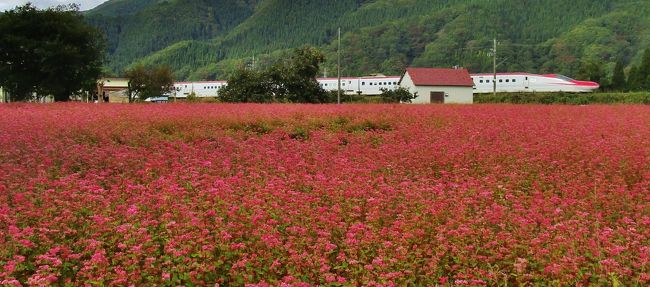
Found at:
[149, 82]
[289, 81]
[48, 52]
[247, 86]
[295, 81]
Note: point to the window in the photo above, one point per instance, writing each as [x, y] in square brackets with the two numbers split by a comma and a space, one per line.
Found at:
[363, 83]
[514, 80]
[507, 80]
[481, 81]
[500, 81]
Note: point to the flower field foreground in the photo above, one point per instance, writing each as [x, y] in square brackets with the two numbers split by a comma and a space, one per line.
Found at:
[300, 195]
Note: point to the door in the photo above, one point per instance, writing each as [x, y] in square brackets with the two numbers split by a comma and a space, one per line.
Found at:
[526, 83]
[437, 97]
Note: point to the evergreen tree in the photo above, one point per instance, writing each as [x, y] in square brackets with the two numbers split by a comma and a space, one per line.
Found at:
[643, 73]
[618, 77]
[633, 82]
[147, 83]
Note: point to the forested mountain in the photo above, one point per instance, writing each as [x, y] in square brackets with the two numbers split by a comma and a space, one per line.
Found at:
[207, 39]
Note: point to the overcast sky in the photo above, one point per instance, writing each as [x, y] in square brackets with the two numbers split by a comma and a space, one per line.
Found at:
[84, 4]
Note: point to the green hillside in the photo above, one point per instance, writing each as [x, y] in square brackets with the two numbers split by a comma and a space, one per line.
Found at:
[207, 39]
[153, 25]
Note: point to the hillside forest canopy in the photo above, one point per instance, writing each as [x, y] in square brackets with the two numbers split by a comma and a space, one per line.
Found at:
[210, 39]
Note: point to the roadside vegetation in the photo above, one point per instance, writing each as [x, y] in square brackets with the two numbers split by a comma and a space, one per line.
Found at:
[564, 98]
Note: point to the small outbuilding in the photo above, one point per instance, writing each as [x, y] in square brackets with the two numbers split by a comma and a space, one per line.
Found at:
[112, 90]
[436, 85]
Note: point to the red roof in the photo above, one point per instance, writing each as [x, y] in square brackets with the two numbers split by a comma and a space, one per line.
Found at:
[440, 77]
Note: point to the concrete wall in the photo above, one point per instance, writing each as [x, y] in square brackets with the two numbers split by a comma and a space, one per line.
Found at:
[453, 95]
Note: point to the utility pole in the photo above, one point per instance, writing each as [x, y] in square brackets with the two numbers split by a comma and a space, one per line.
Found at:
[338, 94]
[494, 80]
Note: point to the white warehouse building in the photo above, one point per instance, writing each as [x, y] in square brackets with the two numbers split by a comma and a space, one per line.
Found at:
[436, 85]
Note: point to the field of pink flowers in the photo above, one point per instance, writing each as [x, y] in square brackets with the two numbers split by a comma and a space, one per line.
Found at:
[300, 195]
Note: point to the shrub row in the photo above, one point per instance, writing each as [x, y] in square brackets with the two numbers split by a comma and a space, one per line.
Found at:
[564, 98]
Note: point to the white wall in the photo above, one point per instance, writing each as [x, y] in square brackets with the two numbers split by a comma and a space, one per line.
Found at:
[453, 95]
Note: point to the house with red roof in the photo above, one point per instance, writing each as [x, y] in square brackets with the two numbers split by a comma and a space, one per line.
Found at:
[437, 85]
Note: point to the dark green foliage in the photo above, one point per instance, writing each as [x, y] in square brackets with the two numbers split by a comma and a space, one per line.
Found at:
[633, 79]
[593, 71]
[48, 52]
[247, 86]
[564, 98]
[643, 72]
[618, 82]
[291, 81]
[399, 95]
[145, 82]
[639, 77]
[295, 81]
